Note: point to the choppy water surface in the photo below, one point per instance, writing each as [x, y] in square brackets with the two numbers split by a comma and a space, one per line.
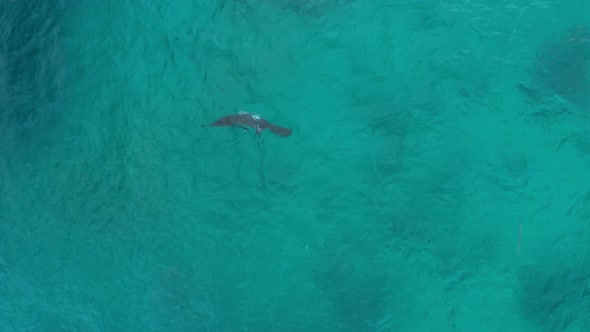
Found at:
[436, 178]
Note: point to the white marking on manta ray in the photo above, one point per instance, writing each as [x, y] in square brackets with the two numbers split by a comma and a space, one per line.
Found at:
[256, 117]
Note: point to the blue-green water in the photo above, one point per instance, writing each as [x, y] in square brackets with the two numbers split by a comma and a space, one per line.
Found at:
[437, 178]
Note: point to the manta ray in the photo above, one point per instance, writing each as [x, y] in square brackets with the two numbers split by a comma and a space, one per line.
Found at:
[255, 121]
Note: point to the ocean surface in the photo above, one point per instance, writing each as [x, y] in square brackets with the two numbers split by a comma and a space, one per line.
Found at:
[437, 177]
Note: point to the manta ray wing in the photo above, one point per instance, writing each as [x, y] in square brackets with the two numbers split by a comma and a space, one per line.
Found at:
[279, 130]
[232, 120]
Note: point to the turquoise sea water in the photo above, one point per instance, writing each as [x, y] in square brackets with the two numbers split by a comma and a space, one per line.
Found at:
[437, 178]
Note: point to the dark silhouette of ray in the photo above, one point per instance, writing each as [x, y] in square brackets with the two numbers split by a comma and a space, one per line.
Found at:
[251, 120]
